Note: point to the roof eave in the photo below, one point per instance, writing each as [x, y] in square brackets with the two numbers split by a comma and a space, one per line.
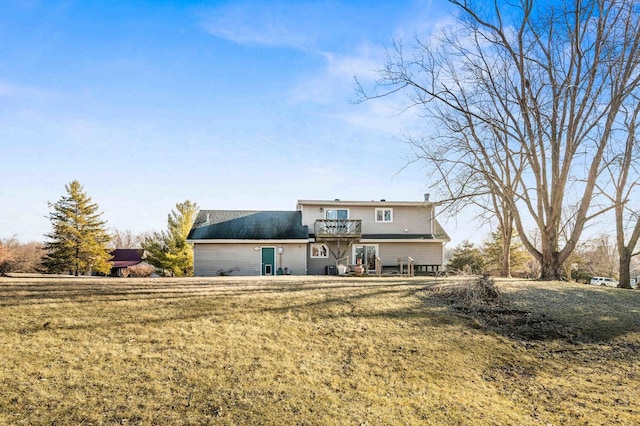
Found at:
[378, 203]
[249, 241]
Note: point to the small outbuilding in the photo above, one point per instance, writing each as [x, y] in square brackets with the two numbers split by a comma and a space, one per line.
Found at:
[123, 259]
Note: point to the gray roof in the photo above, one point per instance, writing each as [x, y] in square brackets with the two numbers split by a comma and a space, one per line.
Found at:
[440, 233]
[248, 225]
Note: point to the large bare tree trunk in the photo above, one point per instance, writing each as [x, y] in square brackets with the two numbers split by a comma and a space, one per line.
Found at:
[624, 270]
[550, 265]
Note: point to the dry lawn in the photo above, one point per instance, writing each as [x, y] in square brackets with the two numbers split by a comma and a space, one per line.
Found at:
[313, 350]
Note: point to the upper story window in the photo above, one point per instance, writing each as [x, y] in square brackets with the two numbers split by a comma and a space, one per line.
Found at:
[336, 214]
[384, 215]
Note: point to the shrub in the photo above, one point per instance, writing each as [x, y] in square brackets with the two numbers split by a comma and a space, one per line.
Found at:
[19, 257]
[141, 270]
[7, 260]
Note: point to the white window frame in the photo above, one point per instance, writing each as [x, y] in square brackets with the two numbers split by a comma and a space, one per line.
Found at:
[327, 210]
[383, 209]
[321, 251]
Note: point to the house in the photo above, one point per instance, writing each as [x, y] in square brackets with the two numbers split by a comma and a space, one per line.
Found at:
[319, 237]
[238, 242]
[123, 259]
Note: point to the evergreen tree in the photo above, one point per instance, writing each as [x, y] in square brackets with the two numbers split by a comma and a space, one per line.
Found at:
[168, 250]
[466, 258]
[79, 241]
[494, 254]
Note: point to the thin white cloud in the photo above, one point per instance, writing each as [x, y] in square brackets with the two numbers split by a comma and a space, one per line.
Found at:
[268, 24]
[335, 81]
[364, 64]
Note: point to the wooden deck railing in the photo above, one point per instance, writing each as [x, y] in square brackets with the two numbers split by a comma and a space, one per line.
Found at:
[341, 228]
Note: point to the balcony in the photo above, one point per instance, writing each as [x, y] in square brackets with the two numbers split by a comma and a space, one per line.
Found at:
[331, 229]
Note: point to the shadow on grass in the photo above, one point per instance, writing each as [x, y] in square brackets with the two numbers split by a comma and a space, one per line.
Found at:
[195, 300]
[531, 312]
[74, 290]
[562, 312]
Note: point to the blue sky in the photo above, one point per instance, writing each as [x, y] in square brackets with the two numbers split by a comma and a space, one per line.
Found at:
[233, 105]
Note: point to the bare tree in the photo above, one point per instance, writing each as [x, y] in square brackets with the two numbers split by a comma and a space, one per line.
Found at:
[462, 181]
[625, 178]
[529, 91]
[601, 255]
[7, 257]
[29, 257]
[125, 239]
[19, 257]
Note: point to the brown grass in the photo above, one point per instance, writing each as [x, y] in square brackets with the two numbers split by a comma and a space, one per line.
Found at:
[313, 351]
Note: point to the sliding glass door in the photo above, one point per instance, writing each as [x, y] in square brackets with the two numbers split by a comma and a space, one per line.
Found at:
[365, 254]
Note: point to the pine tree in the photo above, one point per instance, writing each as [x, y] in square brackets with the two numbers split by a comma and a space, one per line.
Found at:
[79, 242]
[494, 255]
[169, 250]
[466, 258]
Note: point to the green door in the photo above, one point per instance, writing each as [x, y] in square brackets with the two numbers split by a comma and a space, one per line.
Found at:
[268, 260]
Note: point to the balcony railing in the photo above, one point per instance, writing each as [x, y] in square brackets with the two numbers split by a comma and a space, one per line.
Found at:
[340, 228]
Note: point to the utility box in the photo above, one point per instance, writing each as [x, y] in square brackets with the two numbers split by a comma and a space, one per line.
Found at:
[331, 269]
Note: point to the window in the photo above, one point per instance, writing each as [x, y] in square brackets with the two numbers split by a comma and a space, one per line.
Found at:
[319, 250]
[336, 214]
[384, 215]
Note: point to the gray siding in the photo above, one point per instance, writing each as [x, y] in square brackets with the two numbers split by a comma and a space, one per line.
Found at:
[317, 266]
[416, 220]
[422, 253]
[209, 258]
